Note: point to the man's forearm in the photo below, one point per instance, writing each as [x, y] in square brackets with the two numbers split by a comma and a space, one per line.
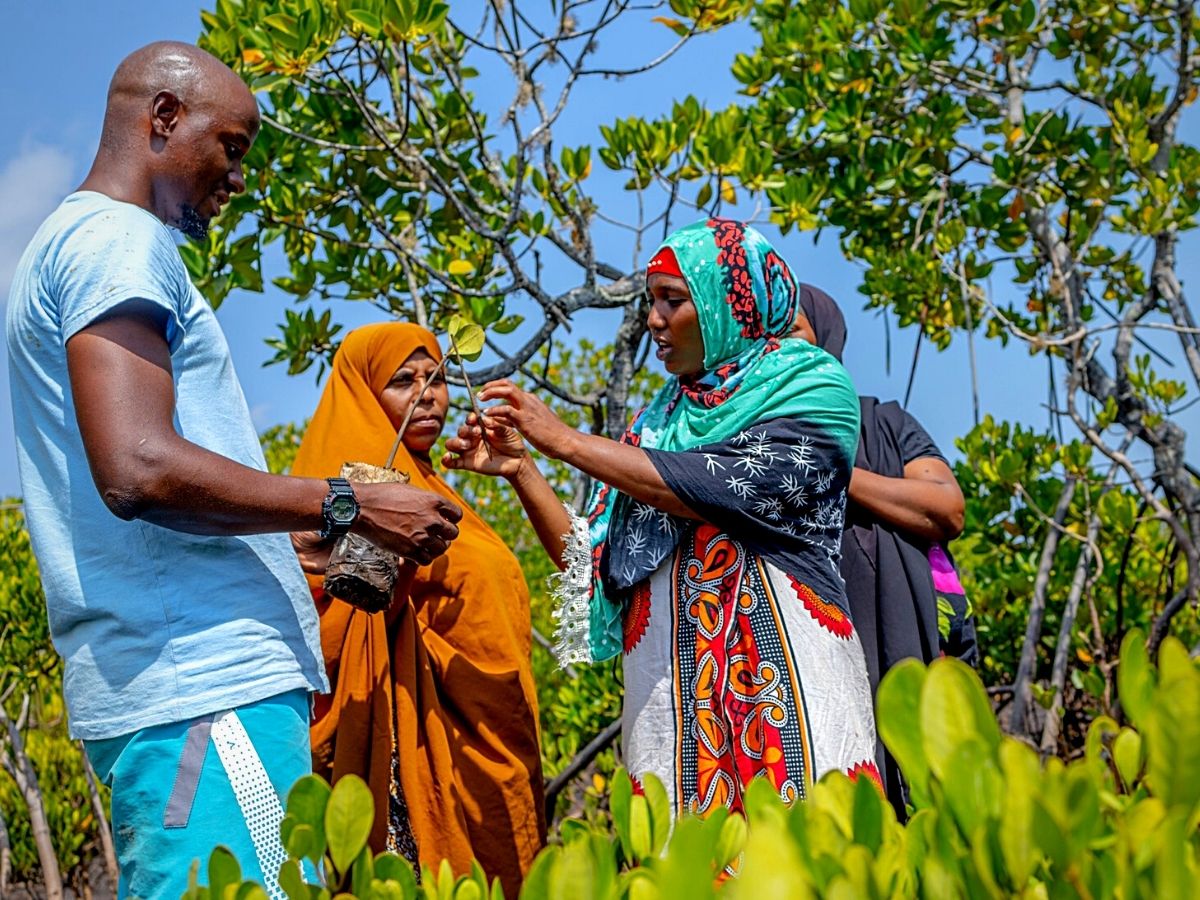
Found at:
[124, 393]
[174, 483]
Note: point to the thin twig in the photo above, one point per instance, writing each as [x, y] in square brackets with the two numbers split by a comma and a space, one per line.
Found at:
[579, 763]
[102, 826]
[1022, 684]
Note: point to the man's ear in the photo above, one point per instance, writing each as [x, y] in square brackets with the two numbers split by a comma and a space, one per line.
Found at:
[165, 112]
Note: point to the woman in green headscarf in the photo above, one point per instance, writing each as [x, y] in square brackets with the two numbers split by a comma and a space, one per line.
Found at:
[708, 554]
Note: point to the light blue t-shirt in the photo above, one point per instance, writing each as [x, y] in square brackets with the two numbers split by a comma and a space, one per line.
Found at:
[154, 625]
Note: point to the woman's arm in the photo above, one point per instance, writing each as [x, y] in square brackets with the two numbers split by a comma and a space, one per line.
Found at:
[625, 467]
[926, 502]
[543, 507]
[504, 454]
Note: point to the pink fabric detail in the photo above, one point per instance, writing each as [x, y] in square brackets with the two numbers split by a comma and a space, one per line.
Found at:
[945, 579]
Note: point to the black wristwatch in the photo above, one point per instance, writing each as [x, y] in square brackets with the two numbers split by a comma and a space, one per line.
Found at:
[340, 508]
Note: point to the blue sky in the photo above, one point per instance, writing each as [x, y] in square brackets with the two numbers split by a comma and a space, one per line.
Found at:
[53, 78]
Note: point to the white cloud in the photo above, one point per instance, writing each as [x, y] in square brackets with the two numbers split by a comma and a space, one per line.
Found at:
[31, 185]
[260, 415]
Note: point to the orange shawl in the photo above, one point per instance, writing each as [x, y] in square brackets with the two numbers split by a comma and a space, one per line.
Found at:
[452, 654]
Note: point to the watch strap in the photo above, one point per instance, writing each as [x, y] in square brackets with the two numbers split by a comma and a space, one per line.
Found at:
[338, 487]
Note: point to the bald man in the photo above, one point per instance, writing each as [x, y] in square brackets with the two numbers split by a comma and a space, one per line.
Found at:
[174, 595]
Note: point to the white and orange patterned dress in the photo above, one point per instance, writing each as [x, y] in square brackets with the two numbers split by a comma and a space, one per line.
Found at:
[740, 659]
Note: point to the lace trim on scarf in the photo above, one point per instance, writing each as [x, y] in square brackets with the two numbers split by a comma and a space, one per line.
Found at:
[572, 592]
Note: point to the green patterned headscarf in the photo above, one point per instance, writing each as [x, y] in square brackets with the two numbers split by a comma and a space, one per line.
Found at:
[746, 301]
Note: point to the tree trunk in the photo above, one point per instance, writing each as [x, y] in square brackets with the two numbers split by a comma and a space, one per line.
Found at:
[5, 856]
[624, 365]
[1058, 673]
[1022, 684]
[102, 826]
[17, 764]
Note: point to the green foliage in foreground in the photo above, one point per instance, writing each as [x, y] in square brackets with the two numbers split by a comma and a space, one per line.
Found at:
[990, 819]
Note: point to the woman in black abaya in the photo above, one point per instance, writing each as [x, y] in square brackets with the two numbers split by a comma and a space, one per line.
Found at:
[904, 506]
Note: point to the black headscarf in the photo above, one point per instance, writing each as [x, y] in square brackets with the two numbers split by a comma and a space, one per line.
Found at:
[826, 319]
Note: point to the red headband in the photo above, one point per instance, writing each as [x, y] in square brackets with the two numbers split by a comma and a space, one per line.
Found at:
[664, 263]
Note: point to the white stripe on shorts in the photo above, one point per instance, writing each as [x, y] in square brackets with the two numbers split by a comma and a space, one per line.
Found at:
[255, 795]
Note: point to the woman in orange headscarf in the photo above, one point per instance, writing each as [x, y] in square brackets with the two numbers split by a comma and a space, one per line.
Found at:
[433, 700]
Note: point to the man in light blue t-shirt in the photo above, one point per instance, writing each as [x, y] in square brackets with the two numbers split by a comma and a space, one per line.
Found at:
[174, 594]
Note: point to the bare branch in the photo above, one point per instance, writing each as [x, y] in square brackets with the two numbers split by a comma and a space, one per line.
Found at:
[1022, 685]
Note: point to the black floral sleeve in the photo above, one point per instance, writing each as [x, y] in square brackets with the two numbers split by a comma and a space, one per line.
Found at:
[779, 487]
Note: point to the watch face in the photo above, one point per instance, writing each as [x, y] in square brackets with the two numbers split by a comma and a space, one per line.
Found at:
[343, 509]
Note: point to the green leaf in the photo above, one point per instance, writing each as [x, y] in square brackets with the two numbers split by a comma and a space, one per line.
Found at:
[954, 709]
[368, 21]
[348, 820]
[444, 881]
[1172, 735]
[1022, 776]
[223, 871]
[619, 805]
[1135, 678]
[868, 814]
[306, 804]
[194, 890]
[574, 830]
[658, 805]
[674, 24]
[1127, 754]
[362, 873]
[300, 841]
[291, 880]
[467, 338]
[508, 324]
[393, 868]
[283, 23]
[972, 785]
[538, 880]
[899, 706]
[641, 837]
[731, 841]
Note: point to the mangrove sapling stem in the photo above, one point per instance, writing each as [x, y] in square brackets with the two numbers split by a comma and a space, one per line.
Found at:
[487, 445]
[412, 409]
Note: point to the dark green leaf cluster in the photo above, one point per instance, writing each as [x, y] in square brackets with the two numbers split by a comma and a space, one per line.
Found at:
[1012, 478]
[942, 139]
[28, 662]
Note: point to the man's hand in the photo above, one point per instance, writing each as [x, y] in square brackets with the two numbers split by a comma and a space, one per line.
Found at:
[413, 523]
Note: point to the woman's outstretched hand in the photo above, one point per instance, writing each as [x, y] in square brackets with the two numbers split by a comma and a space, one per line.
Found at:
[487, 448]
[530, 416]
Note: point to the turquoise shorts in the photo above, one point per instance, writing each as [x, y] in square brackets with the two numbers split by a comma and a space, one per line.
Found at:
[179, 790]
